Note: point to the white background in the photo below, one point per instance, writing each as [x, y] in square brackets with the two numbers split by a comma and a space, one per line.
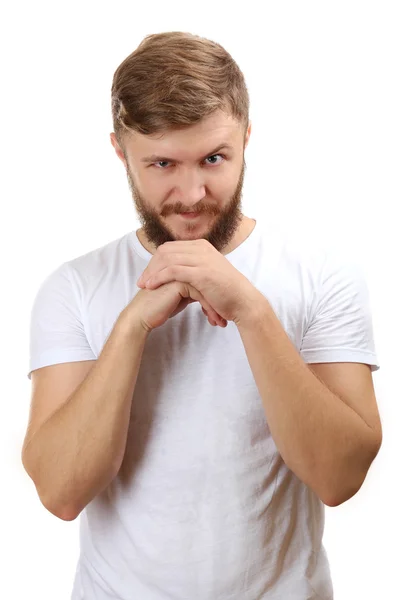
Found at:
[323, 79]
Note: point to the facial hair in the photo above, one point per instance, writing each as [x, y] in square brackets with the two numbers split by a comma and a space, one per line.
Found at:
[220, 233]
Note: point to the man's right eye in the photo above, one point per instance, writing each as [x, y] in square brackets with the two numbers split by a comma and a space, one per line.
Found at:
[159, 163]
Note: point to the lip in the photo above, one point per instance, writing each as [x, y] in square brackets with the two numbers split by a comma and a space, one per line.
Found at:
[190, 215]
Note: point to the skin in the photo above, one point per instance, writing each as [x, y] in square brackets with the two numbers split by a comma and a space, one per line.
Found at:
[211, 186]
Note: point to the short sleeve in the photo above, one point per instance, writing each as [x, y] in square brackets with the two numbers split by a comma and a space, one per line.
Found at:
[57, 333]
[340, 327]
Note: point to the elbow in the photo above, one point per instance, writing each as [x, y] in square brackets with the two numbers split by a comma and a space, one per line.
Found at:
[343, 495]
[56, 508]
[61, 512]
[333, 498]
[332, 502]
[67, 515]
[355, 480]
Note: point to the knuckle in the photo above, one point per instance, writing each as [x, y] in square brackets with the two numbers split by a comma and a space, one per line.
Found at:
[204, 244]
[173, 270]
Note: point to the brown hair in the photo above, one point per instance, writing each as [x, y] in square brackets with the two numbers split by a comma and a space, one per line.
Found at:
[173, 80]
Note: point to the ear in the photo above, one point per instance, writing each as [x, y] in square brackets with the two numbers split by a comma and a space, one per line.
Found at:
[247, 135]
[117, 148]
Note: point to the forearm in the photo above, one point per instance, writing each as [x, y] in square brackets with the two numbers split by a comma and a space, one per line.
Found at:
[79, 449]
[321, 439]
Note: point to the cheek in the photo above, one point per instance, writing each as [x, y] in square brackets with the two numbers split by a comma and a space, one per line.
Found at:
[226, 187]
[155, 188]
[150, 190]
[222, 185]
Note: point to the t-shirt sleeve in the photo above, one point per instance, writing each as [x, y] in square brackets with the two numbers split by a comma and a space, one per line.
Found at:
[57, 332]
[340, 327]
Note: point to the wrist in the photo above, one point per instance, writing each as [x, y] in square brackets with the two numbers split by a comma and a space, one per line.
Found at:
[131, 325]
[254, 312]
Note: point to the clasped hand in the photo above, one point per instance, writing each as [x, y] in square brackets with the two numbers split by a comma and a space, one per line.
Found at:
[199, 264]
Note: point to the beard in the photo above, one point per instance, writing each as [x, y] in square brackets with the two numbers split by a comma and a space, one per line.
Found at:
[219, 234]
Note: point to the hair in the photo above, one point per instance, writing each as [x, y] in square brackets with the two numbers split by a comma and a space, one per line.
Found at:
[174, 80]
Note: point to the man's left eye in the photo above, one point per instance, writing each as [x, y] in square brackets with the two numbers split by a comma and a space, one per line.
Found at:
[214, 155]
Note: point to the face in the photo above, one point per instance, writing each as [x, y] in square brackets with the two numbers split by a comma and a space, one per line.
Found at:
[182, 172]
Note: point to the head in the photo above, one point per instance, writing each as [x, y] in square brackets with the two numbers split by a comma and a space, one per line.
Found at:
[175, 101]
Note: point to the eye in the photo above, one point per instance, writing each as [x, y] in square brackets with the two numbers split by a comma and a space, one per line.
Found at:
[214, 155]
[166, 162]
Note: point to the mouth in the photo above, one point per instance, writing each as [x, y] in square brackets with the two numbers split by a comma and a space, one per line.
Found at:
[190, 215]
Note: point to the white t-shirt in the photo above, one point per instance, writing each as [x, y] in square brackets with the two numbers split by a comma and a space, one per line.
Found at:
[204, 507]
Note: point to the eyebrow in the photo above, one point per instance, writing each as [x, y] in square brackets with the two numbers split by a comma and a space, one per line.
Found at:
[157, 158]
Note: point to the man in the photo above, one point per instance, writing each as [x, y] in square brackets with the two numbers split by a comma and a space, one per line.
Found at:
[199, 458]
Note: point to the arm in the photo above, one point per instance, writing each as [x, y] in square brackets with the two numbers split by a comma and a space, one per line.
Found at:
[79, 449]
[321, 439]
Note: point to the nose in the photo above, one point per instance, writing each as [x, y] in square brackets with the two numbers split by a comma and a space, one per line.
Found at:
[191, 188]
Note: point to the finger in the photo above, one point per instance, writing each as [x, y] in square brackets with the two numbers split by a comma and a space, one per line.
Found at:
[208, 317]
[213, 315]
[220, 320]
[215, 318]
[182, 305]
[180, 273]
[163, 261]
[194, 293]
[187, 290]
